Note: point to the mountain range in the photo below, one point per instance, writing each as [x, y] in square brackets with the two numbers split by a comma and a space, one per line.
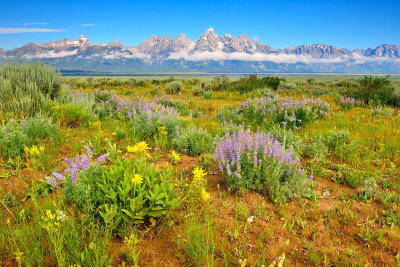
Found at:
[210, 53]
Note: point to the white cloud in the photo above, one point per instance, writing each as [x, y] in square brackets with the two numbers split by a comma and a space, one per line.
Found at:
[359, 59]
[32, 23]
[121, 55]
[53, 54]
[276, 57]
[88, 25]
[27, 30]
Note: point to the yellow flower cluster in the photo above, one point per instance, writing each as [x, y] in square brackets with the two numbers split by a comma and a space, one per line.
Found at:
[34, 150]
[50, 222]
[162, 131]
[131, 240]
[205, 195]
[175, 156]
[141, 148]
[199, 182]
[199, 173]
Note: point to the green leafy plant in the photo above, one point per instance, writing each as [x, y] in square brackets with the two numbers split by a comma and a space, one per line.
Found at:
[15, 136]
[134, 192]
[192, 141]
[72, 115]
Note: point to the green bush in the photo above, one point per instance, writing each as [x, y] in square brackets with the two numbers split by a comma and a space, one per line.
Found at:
[119, 134]
[192, 141]
[73, 97]
[180, 105]
[197, 91]
[265, 92]
[288, 85]
[229, 115]
[316, 149]
[374, 90]
[40, 128]
[12, 140]
[335, 139]
[130, 191]
[207, 94]
[259, 162]
[174, 87]
[382, 111]
[122, 200]
[15, 136]
[81, 193]
[147, 127]
[351, 177]
[288, 139]
[72, 115]
[26, 88]
[45, 78]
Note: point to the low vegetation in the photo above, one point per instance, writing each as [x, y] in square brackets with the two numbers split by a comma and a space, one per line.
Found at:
[255, 171]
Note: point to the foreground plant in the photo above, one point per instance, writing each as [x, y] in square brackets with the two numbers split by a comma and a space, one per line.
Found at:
[260, 162]
[175, 157]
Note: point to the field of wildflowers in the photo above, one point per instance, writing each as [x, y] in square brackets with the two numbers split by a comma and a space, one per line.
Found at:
[113, 172]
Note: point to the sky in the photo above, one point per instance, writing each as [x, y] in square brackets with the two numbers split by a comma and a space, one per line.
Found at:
[279, 24]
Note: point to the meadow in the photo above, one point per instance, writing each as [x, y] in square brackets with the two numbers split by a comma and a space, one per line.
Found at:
[210, 171]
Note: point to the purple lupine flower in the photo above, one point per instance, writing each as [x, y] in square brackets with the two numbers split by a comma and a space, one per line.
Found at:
[89, 151]
[102, 158]
[68, 162]
[58, 176]
[311, 178]
[84, 163]
[52, 181]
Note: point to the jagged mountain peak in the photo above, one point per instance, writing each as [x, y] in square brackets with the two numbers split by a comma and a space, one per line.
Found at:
[210, 30]
[181, 36]
[115, 43]
[209, 33]
[82, 38]
[243, 36]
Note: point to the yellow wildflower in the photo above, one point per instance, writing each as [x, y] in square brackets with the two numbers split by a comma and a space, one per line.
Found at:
[205, 195]
[162, 131]
[131, 240]
[41, 148]
[34, 151]
[130, 149]
[199, 173]
[137, 179]
[21, 213]
[175, 156]
[141, 147]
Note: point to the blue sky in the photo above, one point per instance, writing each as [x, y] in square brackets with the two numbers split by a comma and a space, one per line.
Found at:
[349, 24]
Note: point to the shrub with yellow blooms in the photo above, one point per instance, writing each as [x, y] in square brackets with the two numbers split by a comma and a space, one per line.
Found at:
[197, 187]
[175, 157]
[140, 148]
